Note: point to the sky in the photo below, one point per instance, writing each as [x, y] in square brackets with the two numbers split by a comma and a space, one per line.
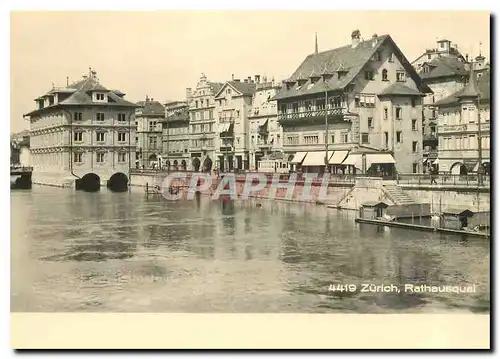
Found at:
[159, 54]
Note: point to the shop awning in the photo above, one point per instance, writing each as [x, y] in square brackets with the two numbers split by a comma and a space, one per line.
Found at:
[455, 169]
[476, 167]
[298, 158]
[355, 160]
[436, 162]
[425, 160]
[378, 158]
[316, 158]
[338, 157]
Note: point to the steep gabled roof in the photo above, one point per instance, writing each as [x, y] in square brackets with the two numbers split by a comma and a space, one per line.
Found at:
[81, 94]
[216, 86]
[444, 66]
[346, 59]
[243, 88]
[483, 87]
[152, 108]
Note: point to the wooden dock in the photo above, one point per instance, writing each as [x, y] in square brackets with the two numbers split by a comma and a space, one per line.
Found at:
[419, 227]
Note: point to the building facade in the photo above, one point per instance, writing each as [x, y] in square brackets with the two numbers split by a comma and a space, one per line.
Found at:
[266, 135]
[445, 70]
[149, 117]
[176, 154]
[202, 123]
[364, 100]
[82, 135]
[464, 128]
[233, 103]
[20, 149]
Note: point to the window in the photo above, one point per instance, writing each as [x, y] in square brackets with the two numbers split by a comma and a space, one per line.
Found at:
[400, 76]
[384, 75]
[100, 97]
[390, 57]
[376, 56]
[399, 136]
[369, 75]
[152, 142]
[136, 139]
[100, 136]
[365, 138]
[433, 130]
[413, 102]
[122, 157]
[386, 139]
[100, 116]
[345, 137]
[196, 104]
[370, 122]
[77, 157]
[429, 56]
[99, 157]
[121, 117]
[415, 167]
[414, 146]
[399, 113]
[333, 138]
[414, 124]
[78, 116]
[386, 113]
[78, 136]
[122, 137]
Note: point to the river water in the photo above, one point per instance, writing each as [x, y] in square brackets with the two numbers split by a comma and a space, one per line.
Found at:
[120, 252]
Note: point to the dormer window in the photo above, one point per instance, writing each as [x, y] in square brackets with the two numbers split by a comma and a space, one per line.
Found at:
[376, 56]
[99, 97]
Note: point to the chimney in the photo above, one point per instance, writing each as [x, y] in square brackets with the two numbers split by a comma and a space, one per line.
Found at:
[355, 38]
[374, 40]
[246, 81]
[466, 57]
[249, 79]
[67, 80]
[257, 78]
[188, 93]
[232, 77]
[237, 80]
[147, 98]
[152, 99]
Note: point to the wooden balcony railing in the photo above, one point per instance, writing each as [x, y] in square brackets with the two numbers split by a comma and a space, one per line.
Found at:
[312, 113]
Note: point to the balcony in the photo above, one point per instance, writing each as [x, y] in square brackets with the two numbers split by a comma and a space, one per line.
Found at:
[430, 153]
[264, 145]
[430, 137]
[313, 114]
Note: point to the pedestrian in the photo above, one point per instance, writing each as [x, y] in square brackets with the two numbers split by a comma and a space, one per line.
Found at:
[433, 176]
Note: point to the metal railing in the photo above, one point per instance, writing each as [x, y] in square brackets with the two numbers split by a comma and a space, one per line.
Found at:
[470, 180]
[14, 168]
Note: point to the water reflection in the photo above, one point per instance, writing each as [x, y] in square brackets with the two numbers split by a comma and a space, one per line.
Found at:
[120, 252]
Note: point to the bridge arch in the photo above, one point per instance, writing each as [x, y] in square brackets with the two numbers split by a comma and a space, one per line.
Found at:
[89, 183]
[118, 182]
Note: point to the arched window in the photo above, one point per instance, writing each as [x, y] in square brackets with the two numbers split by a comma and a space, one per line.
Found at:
[384, 75]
